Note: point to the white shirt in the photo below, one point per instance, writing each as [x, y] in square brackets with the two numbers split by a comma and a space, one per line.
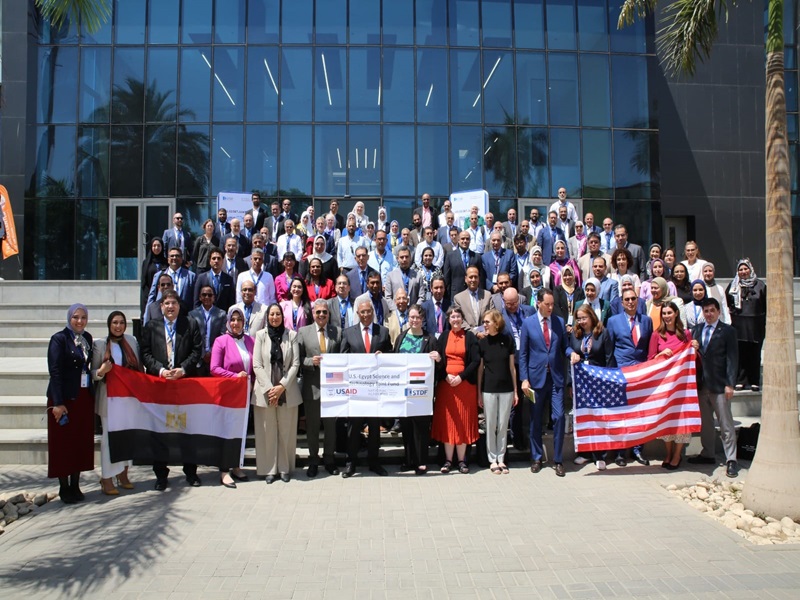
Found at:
[572, 214]
[293, 243]
[382, 264]
[346, 250]
[265, 286]
[477, 239]
[438, 253]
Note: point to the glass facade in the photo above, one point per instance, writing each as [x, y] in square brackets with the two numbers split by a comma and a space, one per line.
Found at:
[375, 100]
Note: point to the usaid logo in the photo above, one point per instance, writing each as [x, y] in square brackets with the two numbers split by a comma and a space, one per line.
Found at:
[345, 391]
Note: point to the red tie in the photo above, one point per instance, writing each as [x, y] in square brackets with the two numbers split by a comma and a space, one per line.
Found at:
[366, 339]
[634, 332]
[546, 332]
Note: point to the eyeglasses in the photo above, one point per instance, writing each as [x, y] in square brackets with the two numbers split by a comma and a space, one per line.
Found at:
[179, 218]
[206, 295]
[320, 312]
[166, 284]
[629, 299]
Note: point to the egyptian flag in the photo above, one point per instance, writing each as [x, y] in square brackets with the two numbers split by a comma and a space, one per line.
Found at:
[201, 421]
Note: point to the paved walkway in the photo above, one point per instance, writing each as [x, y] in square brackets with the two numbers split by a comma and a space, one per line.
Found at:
[590, 535]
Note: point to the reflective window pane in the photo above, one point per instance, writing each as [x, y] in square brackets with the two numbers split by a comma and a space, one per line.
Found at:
[531, 88]
[295, 160]
[331, 21]
[366, 90]
[496, 20]
[195, 92]
[228, 84]
[398, 21]
[631, 99]
[633, 38]
[54, 169]
[790, 85]
[229, 22]
[565, 161]
[431, 85]
[592, 25]
[95, 94]
[162, 21]
[561, 24]
[432, 161]
[102, 36]
[49, 34]
[261, 154]
[498, 87]
[196, 22]
[330, 94]
[398, 160]
[297, 21]
[160, 142]
[563, 75]
[295, 85]
[597, 163]
[431, 23]
[93, 159]
[463, 23]
[595, 100]
[162, 83]
[126, 160]
[365, 22]
[91, 253]
[262, 83]
[127, 102]
[500, 160]
[397, 84]
[330, 160]
[528, 23]
[58, 90]
[364, 176]
[466, 153]
[465, 86]
[130, 21]
[226, 158]
[194, 162]
[263, 21]
[635, 164]
[533, 162]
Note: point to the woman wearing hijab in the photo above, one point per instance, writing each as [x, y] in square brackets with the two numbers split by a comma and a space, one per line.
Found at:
[716, 291]
[560, 260]
[531, 293]
[330, 270]
[577, 243]
[659, 295]
[694, 310]
[120, 349]
[361, 217]
[591, 291]
[276, 397]
[747, 301]
[394, 235]
[154, 262]
[70, 402]
[657, 268]
[567, 295]
[304, 227]
[232, 356]
[382, 224]
[547, 276]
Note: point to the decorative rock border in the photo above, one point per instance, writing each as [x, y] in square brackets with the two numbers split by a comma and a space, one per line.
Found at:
[14, 506]
[722, 502]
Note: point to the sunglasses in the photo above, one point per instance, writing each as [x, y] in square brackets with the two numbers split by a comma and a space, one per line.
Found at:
[320, 312]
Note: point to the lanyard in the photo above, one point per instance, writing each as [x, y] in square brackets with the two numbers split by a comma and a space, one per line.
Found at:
[207, 317]
[256, 281]
[248, 311]
[343, 304]
[294, 317]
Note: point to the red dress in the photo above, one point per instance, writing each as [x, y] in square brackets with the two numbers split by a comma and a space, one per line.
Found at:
[455, 412]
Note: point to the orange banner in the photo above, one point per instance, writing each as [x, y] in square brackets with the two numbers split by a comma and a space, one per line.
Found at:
[8, 232]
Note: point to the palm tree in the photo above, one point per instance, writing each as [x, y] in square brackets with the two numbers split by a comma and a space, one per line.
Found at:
[689, 32]
[93, 13]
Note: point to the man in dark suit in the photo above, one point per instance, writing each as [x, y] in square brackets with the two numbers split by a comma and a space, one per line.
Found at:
[542, 348]
[287, 213]
[271, 264]
[243, 244]
[590, 227]
[223, 284]
[178, 237]
[443, 232]
[316, 340]
[248, 227]
[274, 222]
[435, 309]
[548, 236]
[258, 212]
[343, 313]
[514, 314]
[182, 278]
[629, 338]
[232, 263]
[498, 260]
[365, 338]
[511, 227]
[429, 216]
[716, 343]
[639, 260]
[212, 323]
[455, 266]
[359, 276]
[222, 227]
[170, 349]
[334, 210]
[164, 283]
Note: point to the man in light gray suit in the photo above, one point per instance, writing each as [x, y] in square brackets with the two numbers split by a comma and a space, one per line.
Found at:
[473, 301]
[318, 339]
[405, 276]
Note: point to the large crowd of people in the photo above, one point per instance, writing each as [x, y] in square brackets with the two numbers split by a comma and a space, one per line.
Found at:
[500, 306]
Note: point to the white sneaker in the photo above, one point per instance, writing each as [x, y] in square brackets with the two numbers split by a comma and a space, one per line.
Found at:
[601, 465]
[580, 460]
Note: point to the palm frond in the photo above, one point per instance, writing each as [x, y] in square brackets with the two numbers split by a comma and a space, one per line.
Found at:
[93, 13]
[634, 9]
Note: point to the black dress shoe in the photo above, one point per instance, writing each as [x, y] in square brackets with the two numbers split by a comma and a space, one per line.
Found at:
[620, 462]
[405, 467]
[161, 484]
[285, 477]
[312, 471]
[699, 459]
[732, 469]
[420, 471]
[536, 466]
[637, 456]
[193, 480]
[228, 484]
[560, 470]
[332, 469]
[349, 471]
[379, 470]
[242, 477]
[270, 479]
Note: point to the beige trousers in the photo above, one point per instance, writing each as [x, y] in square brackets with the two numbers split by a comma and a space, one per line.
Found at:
[276, 439]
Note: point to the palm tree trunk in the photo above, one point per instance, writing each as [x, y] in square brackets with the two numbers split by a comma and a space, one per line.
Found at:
[773, 484]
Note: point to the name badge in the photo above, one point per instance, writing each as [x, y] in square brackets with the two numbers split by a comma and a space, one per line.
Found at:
[85, 380]
[494, 278]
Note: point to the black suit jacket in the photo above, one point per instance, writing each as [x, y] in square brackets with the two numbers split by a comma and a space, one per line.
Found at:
[454, 271]
[258, 219]
[471, 362]
[598, 353]
[227, 290]
[244, 244]
[561, 307]
[65, 362]
[429, 324]
[354, 276]
[188, 346]
[719, 360]
[353, 340]
[240, 267]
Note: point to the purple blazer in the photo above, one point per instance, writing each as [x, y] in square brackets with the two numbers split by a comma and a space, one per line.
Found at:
[225, 358]
[288, 316]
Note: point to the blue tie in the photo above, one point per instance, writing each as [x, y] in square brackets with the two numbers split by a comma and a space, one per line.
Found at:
[707, 335]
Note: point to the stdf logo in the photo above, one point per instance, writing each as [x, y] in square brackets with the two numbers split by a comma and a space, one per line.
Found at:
[346, 391]
[413, 393]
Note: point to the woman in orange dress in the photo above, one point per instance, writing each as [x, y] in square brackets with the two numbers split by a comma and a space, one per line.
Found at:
[455, 411]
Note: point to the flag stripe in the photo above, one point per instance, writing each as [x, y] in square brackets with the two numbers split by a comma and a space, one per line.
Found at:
[641, 426]
[618, 441]
[676, 405]
[144, 447]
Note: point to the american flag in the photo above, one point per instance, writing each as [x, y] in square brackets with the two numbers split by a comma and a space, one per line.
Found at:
[619, 408]
[334, 377]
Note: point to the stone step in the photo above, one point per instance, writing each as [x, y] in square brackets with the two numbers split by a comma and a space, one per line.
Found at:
[24, 376]
[65, 293]
[45, 328]
[57, 312]
[23, 412]
[23, 347]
